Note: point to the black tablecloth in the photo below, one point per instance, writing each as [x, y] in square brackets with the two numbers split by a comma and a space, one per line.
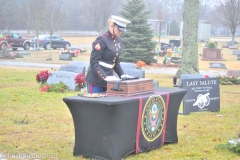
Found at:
[105, 127]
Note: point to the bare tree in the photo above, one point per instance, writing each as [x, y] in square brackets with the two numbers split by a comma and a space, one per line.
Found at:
[205, 8]
[54, 17]
[37, 19]
[189, 62]
[97, 12]
[151, 5]
[174, 9]
[228, 14]
[161, 15]
[8, 13]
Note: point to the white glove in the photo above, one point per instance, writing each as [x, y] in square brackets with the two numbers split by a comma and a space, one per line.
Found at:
[126, 76]
[111, 78]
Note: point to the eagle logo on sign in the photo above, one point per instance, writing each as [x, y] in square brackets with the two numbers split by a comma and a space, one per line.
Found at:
[153, 118]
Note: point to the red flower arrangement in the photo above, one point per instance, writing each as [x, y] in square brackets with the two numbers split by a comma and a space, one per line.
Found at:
[80, 81]
[140, 63]
[45, 88]
[42, 76]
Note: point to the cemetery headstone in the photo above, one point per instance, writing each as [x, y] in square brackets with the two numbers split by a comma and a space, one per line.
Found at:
[126, 65]
[63, 76]
[225, 46]
[176, 43]
[164, 46]
[134, 72]
[187, 76]
[212, 54]
[236, 52]
[23, 52]
[233, 47]
[217, 65]
[81, 63]
[65, 57]
[73, 68]
[202, 95]
[176, 60]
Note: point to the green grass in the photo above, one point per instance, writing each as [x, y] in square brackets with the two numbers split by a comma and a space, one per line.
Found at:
[39, 123]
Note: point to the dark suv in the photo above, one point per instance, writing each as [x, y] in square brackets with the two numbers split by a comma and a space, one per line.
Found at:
[14, 40]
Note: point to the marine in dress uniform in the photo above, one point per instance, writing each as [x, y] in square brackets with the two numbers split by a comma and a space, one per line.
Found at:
[104, 59]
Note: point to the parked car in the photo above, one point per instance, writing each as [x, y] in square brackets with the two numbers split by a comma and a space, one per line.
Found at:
[14, 40]
[44, 42]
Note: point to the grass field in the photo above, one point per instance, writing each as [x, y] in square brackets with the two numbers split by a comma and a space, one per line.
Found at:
[37, 123]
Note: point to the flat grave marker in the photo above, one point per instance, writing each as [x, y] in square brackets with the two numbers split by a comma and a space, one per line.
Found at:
[217, 65]
[236, 52]
[233, 47]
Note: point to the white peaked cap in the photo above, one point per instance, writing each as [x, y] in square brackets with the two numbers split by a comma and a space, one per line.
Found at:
[120, 21]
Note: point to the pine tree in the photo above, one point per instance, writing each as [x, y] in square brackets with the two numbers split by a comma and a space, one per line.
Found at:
[138, 41]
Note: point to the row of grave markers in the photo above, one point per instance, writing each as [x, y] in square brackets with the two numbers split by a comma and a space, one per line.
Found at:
[67, 74]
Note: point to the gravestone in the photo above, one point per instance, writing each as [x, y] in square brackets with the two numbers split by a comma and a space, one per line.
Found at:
[202, 95]
[233, 73]
[176, 43]
[217, 65]
[187, 76]
[80, 63]
[73, 68]
[126, 65]
[236, 52]
[225, 46]
[23, 52]
[176, 60]
[164, 46]
[212, 54]
[233, 47]
[65, 57]
[135, 72]
[63, 76]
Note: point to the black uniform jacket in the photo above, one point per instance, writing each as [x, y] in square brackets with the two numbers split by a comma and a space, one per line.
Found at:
[106, 48]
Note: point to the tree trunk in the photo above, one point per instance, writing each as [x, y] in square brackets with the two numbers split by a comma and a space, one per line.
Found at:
[189, 62]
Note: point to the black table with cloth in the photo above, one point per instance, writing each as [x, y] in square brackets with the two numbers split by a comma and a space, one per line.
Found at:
[106, 127]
